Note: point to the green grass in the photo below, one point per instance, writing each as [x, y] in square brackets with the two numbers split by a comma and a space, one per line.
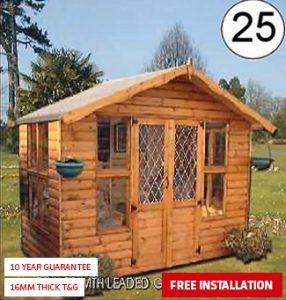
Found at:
[8, 159]
[268, 192]
[9, 179]
[268, 197]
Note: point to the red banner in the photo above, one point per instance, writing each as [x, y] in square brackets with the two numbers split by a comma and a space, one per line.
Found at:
[223, 285]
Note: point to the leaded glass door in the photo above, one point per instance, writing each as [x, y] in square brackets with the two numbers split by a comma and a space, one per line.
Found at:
[164, 191]
[186, 192]
[150, 186]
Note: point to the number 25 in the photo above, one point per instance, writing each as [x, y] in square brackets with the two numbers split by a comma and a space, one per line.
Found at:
[237, 37]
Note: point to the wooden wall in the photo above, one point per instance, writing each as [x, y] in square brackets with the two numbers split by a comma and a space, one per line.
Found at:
[38, 241]
[179, 100]
[78, 194]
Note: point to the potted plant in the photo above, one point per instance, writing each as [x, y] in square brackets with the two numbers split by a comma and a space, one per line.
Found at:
[69, 167]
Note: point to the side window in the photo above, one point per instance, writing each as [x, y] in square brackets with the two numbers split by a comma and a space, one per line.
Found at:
[38, 152]
[24, 193]
[45, 201]
[39, 200]
[38, 163]
[32, 145]
[214, 169]
[215, 144]
[34, 199]
[44, 146]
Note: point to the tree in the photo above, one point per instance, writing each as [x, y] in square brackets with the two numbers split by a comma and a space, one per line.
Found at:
[279, 121]
[235, 87]
[176, 49]
[17, 28]
[57, 74]
[260, 99]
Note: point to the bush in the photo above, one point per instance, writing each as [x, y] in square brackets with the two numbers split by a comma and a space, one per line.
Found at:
[9, 211]
[248, 244]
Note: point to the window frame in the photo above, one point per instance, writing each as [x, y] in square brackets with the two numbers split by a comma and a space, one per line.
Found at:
[38, 173]
[41, 143]
[24, 194]
[113, 172]
[43, 219]
[38, 166]
[31, 143]
[216, 169]
[106, 149]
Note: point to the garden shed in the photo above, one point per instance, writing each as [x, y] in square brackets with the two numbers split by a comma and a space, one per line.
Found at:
[167, 171]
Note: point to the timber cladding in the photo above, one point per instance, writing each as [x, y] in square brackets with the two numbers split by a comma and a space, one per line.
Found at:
[160, 169]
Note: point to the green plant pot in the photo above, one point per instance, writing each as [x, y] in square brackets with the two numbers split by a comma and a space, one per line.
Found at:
[261, 163]
[69, 169]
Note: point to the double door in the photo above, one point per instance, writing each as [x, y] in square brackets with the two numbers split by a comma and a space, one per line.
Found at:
[166, 189]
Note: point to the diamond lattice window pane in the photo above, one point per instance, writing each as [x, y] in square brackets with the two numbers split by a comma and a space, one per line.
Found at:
[185, 169]
[151, 163]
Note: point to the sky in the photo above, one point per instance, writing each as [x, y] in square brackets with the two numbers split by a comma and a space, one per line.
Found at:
[122, 36]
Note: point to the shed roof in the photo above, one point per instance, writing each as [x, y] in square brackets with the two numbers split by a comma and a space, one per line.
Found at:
[76, 107]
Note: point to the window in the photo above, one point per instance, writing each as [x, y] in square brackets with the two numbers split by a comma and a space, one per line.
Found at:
[112, 177]
[112, 141]
[103, 141]
[111, 202]
[44, 146]
[32, 144]
[213, 194]
[215, 169]
[24, 193]
[39, 200]
[45, 201]
[215, 144]
[38, 152]
[120, 137]
[38, 163]
[34, 199]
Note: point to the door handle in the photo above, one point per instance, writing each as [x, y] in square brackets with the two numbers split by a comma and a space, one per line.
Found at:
[133, 208]
[167, 182]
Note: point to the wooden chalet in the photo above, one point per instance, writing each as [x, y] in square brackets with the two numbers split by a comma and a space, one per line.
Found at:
[167, 171]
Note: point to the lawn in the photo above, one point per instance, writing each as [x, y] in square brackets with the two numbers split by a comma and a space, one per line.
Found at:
[268, 197]
[268, 189]
[9, 179]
